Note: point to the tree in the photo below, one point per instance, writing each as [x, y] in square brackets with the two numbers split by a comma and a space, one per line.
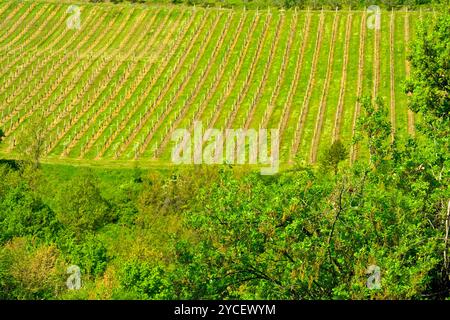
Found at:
[374, 128]
[429, 87]
[32, 141]
[314, 239]
[30, 271]
[22, 213]
[429, 84]
[334, 155]
[81, 206]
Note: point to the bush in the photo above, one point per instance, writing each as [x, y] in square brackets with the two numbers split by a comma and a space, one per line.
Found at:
[140, 280]
[22, 214]
[30, 272]
[81, 207]
[88, 253]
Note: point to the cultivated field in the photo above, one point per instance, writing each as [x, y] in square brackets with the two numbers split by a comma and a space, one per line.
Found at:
[117, 87]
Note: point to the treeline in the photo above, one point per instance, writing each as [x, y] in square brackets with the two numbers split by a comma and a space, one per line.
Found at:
[301, 4]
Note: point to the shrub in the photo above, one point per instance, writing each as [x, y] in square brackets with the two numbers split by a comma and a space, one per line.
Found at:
[140, 280]
[81, 207]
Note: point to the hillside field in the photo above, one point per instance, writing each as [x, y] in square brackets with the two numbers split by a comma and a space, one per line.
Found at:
[117, 87]
[95, 204]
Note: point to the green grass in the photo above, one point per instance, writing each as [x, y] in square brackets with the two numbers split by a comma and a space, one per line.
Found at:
[86, 81]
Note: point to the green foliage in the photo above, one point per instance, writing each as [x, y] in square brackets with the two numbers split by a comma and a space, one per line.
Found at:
[31, 141]
[165, 195]
[313, 239]
[293, 3]
[374, 129]
[29, 271]
[425, 168]
[335, 154]
[22, 211]
[300, 234]
[430, 80]
[90, 254]
[22, 214]
[81, 206]
[429, 86]
[221, 233]
[140, 280]
[315, 4]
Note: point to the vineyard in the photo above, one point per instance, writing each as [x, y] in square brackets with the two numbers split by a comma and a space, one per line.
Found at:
[117, 87]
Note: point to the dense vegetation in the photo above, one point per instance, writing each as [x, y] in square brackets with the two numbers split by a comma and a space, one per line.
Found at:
[309, 232]
[314, 4]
